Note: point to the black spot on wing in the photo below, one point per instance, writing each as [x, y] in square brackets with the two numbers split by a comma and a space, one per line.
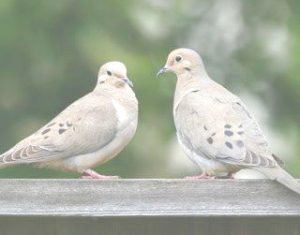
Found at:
[45, 131]
[240, 143]
[227, 126]
[228, 133]
[229, 145]
[210, 140]
[62, 130]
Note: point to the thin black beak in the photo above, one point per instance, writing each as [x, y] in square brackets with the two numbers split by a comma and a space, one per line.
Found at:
[126, 80]
[162, 71]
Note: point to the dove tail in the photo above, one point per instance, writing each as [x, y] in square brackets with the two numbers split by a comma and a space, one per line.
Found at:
[3, 163]
[283, 177]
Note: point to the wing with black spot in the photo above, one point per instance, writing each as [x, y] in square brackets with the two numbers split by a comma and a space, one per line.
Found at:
[85, 126]
[221, 129]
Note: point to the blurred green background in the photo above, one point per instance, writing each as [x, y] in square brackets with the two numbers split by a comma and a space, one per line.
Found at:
[50, 52]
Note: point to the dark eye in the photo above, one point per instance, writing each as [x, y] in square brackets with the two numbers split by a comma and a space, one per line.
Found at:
[109, 73]
[178, 58]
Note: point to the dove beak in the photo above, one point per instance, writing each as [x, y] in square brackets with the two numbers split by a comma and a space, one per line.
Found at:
[162, 71]
[128, 82]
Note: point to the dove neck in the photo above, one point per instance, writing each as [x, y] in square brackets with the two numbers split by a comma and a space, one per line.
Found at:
[113, 90]
[124, 95]
[192, 80]
[188, 82]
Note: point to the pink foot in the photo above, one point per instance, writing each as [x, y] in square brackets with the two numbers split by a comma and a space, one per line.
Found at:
[202, 176]
[90, 174]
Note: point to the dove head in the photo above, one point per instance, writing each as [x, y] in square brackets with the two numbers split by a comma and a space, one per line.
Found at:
[182, 61]
[114, 74]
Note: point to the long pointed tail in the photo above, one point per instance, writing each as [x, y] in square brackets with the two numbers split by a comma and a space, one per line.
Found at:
[3, 163]
[282, 177]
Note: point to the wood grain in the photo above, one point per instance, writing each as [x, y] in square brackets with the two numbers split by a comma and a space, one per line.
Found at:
[153, 197]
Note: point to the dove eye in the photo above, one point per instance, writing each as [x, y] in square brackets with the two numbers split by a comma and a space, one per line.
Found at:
[109, 73]
[178, 58]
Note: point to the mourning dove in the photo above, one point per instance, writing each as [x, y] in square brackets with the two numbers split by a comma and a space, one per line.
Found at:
[87, 133]
[214, 127]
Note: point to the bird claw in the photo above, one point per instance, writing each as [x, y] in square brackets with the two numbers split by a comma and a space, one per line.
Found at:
[90, 174]
[202, 176]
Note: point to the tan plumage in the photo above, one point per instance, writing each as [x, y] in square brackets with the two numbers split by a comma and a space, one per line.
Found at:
[214, 127]
[87, 133]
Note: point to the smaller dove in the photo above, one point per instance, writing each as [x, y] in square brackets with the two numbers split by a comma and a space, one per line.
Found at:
[89, 132]
[214, 127]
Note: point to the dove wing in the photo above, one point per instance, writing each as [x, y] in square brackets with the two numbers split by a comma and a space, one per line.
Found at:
[85, 126]
[219, 127]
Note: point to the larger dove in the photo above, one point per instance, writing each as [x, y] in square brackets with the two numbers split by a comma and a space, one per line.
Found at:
[215, 128]
[89, 132]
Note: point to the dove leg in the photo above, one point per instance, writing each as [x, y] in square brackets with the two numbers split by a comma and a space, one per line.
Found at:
[204, 175]
[229, 176]
[90, 174]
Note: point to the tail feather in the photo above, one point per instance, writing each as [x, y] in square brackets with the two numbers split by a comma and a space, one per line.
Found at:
[3, 163]
[283, 177]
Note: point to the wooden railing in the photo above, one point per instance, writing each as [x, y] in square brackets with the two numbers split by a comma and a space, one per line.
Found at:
[167, 205]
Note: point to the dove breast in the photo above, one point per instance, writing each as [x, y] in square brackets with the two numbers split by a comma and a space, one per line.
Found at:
[122, 113]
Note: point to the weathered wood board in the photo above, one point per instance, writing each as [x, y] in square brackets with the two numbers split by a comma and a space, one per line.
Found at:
[152, 197]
